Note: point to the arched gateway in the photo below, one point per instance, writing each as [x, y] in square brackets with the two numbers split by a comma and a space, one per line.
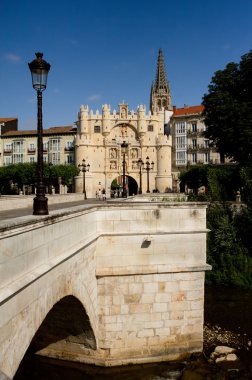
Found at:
[117, 186]
[99, 139]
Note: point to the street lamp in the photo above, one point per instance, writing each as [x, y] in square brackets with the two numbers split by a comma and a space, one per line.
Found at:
[124, 147]
[84, 168]
[39, 71]
[148, 166]
[140, 165]
[50, 177]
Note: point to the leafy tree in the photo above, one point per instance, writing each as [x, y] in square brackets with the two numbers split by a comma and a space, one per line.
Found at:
[228, 111]
[230, 258]
[221, 182]
[66, 172]
[14, 177]
[195, 177]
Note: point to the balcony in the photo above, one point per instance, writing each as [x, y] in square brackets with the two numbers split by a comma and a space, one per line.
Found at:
[203, 147]
[8, 151]
[69, 148]
[31, 150]
[192, 148]
[192, 133]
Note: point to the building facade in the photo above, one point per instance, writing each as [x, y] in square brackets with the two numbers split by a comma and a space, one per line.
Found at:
[21, 146]
[98, 142]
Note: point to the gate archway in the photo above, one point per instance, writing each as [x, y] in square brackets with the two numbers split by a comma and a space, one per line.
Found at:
[131, 185]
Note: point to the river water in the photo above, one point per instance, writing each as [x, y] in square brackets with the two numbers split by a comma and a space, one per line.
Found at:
[230, 309]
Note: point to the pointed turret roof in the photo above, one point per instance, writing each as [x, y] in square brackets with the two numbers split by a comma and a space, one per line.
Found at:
[160, 89]
[161, 81]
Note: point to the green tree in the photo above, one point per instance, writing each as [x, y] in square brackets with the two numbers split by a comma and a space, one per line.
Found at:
[14, 177]
[230, 258]
[228, 111]
[195, 177]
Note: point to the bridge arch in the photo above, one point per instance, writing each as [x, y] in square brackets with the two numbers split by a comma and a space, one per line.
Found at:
[66, 323]
[74, 278]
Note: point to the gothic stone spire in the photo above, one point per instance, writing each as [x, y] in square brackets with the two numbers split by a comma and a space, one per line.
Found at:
[160, 89]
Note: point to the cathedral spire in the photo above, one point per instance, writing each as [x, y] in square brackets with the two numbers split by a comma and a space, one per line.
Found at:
[161, 81]
[160, 89]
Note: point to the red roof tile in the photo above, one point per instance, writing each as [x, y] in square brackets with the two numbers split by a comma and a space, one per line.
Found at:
[190, 110]
[4, 119]
[49, 131]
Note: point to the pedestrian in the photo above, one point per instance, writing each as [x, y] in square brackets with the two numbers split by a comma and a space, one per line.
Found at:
[96, 194]
[103, 194]
[99, 194]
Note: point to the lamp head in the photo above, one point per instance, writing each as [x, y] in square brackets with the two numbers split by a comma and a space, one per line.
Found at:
[39, 71]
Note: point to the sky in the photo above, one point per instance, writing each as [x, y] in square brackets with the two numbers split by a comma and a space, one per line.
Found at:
[105, 52]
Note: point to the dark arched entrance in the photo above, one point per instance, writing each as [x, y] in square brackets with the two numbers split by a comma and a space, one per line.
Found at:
[67, 322]
[131, 185]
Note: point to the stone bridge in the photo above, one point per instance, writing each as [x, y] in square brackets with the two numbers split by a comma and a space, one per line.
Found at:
[108, 284]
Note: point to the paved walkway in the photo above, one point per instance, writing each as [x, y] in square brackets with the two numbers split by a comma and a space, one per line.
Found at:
[15, 213]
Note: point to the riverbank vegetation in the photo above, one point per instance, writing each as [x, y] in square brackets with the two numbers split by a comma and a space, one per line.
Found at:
[228, 187]
[229, 219]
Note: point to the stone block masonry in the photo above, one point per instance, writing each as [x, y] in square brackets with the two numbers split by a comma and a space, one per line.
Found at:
[136, 269]
[148, 318]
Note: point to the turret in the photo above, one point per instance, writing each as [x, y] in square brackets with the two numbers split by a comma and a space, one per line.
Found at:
[105, 119]
[83, 120]
[141, 122]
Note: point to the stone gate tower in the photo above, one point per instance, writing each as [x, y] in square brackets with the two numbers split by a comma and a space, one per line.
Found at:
[100, 135]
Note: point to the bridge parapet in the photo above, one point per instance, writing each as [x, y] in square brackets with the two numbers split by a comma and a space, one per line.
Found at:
[138, 270]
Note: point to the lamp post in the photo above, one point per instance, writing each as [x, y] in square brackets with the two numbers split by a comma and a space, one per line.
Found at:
[84, 168]
[124, 147]
[39, 71]
[148, 166]
[50, 177]
[140, 165]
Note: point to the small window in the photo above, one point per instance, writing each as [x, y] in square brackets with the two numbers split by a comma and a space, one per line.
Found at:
[150, 128]
[194, 158]
[194, 127]
[206, 143]
[97, 129]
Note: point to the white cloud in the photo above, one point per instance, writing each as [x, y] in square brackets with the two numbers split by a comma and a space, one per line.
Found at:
[11, 57]
[94, 97]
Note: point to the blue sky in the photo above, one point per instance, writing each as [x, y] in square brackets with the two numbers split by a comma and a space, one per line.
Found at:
[106, 51]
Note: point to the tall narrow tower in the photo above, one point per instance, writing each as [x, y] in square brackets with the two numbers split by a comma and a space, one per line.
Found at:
[160, 89]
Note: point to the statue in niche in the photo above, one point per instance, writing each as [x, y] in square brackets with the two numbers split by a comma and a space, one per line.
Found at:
[113, 165]
[113, 153]
[123, 113]
[134, 153]
[124, 131]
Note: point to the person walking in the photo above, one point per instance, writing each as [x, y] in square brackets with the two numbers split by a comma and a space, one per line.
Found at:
[103, 194]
